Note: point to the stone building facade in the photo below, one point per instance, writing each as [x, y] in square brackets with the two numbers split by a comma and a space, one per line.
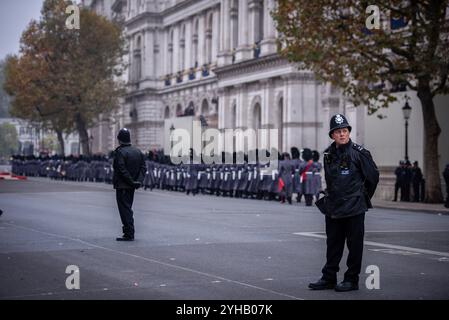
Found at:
[217, 59]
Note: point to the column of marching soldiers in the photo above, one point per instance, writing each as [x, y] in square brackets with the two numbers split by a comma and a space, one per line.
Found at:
[298, 173]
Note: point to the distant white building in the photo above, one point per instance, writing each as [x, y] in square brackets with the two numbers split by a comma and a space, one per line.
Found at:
[31, 138]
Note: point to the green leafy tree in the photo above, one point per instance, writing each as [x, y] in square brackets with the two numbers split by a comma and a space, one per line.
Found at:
[330, 38]
[64, 78]
[9, 141]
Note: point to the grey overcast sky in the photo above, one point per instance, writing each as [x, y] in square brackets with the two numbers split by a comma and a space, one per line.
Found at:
[14, 18]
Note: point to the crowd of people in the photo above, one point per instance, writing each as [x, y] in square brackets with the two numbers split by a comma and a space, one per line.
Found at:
[409, 182]
[298, 173]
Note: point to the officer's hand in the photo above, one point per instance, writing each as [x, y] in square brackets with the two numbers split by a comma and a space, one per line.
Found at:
[137, 185]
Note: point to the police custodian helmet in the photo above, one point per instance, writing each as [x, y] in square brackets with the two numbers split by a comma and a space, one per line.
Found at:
[338, 121]
[124, 136]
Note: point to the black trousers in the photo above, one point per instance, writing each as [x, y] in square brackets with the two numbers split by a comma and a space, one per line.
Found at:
[405, 191]
[416, 193]
[125, 198]
[397, 186]
[350, 230]
[309, 199]
[446, 204]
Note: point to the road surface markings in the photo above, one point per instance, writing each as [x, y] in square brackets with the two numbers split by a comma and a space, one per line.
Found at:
[382, 245]
[159, 262]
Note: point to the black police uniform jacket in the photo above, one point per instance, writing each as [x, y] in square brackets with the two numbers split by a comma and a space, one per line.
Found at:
[351, 179]
[129, 167]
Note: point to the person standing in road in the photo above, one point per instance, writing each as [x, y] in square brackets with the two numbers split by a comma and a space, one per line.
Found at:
[129, 172]
[351, 180]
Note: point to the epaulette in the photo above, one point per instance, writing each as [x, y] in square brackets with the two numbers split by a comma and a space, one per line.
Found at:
[360, 149]
[357, 147]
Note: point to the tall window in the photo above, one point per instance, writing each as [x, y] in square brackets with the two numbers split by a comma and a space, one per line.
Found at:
[182, 44]
[195, 44]
[138, 60]
[179, 111]
[235, 24]
[205, 108]
[170, 52]
[280, 123]
[257, 117]
[258, 36]
[209, 28]
[167, 112]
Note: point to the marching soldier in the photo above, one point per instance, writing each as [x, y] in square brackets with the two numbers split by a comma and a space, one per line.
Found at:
[307, 177]
[286, 169]
[351, 179]
[316, 174]
[129, 172]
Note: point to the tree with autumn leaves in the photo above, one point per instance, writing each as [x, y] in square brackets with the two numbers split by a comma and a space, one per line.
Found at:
[331, 38]
[64, 78]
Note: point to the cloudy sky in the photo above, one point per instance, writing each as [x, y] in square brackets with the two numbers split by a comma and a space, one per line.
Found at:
[14, 18]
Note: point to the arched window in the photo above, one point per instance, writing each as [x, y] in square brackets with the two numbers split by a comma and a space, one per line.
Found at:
[170, 53]
[280, 123]
[182, 44]
[205, 108]
[190, 110]
[167, 112]
[138, 60]
[234, 116]
[257, 116]
[179, 112]
[209, 28]
[195, 45]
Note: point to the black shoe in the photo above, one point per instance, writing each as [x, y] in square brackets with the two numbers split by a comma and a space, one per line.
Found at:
[347, 286]
[125, 238]
[322, 285]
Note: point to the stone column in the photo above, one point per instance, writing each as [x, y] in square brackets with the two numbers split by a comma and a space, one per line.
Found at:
[166, 57]
[243, 51]
[268, 44]
[148, 54]
[224, 56]
[215, 35]
[176, 48]
[157, 58]
[201, 39]
[188, 45]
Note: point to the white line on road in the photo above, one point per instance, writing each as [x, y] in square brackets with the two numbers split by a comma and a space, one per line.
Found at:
[159, 262]
[382, 245]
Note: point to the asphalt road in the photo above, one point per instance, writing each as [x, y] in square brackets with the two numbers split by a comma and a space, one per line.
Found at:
[200, 248]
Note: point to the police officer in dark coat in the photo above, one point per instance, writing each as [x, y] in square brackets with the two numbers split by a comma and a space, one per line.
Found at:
[129, 173]
[446, 180]
[416, 181]
[399, 179]
[351, 179]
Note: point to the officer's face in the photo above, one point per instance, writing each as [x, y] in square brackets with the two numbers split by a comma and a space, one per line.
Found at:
[341, 136]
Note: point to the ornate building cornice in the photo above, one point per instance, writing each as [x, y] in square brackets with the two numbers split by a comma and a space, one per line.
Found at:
[249, 66]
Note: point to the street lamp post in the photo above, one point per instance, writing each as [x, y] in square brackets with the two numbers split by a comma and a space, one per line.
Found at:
[172, 128]
[204, 126]
[406, 111]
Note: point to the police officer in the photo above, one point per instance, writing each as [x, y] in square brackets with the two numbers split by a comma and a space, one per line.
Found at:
[129, 172]
[446, 180]
[351, 179]
[416, 181]
[399, 179]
